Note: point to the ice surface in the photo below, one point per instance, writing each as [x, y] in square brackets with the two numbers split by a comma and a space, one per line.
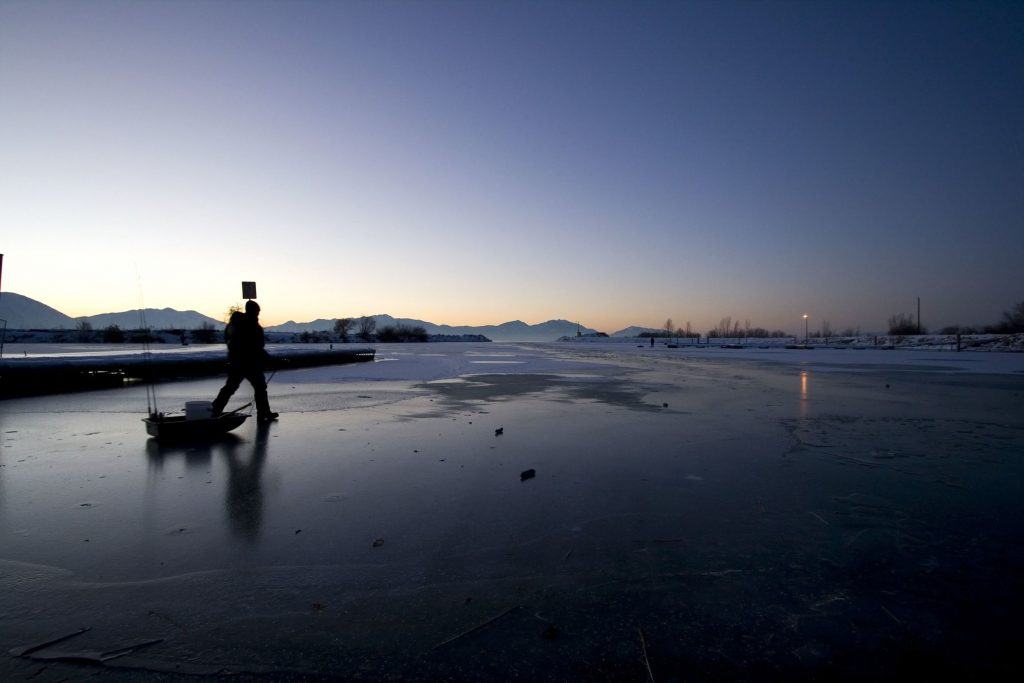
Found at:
[775, 520]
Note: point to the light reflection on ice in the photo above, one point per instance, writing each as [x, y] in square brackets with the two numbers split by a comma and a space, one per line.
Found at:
[803, 393]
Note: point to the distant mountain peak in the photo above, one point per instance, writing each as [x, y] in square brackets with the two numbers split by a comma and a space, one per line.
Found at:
[23, 313]
[156, 318]
[634, 330]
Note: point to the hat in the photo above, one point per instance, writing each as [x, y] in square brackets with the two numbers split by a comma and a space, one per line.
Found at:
[252, 307]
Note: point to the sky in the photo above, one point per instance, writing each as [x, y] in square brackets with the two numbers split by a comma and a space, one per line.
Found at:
[615, 163]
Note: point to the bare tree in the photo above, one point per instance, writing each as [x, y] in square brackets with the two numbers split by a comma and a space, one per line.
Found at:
[367, 326]
[903, 323]
[668, 327]
[343, 327]
[1013, 321]
[826, 329]
[84, 328]
[206, 333]
[112, 334]
[723, 329]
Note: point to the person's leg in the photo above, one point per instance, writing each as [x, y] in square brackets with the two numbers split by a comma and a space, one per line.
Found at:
[230, 387]
[259, 388]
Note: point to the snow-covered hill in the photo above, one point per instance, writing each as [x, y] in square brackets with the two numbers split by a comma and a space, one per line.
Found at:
[634, 331]
[24, 313]
[156, 318]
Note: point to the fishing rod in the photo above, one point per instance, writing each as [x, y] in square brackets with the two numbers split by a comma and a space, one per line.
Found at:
[151, 406]
[239, 408]
[3, 336]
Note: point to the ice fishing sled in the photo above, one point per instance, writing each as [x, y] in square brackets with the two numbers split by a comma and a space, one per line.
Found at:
[193, 425]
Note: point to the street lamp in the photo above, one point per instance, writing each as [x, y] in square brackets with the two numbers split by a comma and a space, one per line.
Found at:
[806, 335]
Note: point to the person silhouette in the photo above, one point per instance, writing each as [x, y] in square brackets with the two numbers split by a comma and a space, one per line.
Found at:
[247, 359]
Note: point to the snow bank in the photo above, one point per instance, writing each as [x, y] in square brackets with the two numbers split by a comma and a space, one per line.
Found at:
[947, 342]
[846, 358]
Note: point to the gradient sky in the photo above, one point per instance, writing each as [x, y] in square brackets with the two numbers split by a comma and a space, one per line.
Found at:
[475, 162]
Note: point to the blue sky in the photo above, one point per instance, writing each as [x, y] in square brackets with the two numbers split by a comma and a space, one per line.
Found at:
[474, 162]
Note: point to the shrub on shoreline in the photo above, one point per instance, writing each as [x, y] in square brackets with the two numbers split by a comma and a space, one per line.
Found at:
[401, 333]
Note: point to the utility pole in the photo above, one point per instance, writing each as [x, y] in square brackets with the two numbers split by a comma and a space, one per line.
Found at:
[919, 315]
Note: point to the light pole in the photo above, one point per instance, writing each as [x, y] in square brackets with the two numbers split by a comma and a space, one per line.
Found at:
[805, 330]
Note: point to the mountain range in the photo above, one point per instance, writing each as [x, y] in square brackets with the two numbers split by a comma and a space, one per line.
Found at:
[514, 330]
[22, 312]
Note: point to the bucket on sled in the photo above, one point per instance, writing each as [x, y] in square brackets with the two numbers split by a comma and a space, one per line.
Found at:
[198, 410]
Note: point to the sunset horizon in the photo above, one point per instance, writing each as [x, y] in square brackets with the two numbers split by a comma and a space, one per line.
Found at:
[619, 164]
[702, 324]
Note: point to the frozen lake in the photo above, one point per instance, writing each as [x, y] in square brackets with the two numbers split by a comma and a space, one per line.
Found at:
[716, 515]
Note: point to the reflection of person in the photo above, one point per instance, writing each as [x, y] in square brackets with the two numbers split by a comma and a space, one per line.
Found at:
[244, 498]
[246, 360]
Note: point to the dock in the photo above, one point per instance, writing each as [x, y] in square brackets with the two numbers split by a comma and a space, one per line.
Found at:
[40, 375]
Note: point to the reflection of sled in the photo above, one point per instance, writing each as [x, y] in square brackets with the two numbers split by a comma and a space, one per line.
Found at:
[178, 427]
